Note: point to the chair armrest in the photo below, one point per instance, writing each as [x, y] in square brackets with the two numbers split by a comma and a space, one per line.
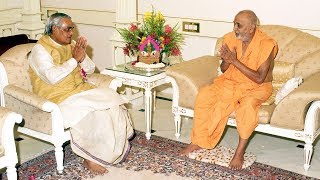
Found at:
[191, 75]
[27, 97]
[39, 113]
[101, 80]
[291, 110]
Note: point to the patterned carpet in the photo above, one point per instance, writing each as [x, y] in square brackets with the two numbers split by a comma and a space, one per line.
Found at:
[158, 155]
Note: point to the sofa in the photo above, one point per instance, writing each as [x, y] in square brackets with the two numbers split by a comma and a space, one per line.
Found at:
[296, 116]
[42, 118]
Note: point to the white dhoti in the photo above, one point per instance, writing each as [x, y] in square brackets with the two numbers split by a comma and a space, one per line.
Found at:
[100, 125]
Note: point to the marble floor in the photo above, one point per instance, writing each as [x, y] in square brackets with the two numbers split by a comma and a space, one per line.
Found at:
[271, 150]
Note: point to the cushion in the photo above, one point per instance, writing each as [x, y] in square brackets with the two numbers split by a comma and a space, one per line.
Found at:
[289, 86]
[282, 72]
[18, 53]
[16, 65]
[220, 155]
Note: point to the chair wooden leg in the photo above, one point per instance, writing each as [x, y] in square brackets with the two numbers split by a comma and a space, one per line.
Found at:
[11, 173]
[59, 158]
[308, 150]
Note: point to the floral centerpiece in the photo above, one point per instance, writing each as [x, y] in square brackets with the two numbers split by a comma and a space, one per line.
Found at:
[152, 39]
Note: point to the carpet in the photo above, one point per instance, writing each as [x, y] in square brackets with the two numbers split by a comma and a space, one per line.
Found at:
[158, 155]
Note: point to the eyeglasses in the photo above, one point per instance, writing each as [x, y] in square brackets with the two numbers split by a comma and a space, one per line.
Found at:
[67, 29]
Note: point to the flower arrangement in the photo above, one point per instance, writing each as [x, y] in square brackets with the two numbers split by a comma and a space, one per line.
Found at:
[151, 38]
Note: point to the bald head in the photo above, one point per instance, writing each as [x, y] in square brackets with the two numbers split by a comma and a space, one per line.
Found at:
[252, 17]
[245, 23]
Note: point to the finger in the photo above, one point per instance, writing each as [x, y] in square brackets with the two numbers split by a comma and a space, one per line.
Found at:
[223, 47]
[227, 49]
[79, 42]
[83, 41]
[234, 50]
[223, 51]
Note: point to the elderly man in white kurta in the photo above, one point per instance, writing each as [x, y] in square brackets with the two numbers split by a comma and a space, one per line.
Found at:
[99, 123]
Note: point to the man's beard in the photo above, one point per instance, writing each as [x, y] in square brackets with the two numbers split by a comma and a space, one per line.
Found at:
[241, 37]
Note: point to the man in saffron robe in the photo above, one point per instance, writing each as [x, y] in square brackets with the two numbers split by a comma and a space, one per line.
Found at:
[247, 63]
[99, 123]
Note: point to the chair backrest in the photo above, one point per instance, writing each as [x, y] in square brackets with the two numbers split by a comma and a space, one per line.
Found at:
[16, 65]
[295, 46]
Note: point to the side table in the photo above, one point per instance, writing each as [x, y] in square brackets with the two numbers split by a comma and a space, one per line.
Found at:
[141, 79]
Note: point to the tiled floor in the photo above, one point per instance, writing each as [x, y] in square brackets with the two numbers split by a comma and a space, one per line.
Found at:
[275, 151]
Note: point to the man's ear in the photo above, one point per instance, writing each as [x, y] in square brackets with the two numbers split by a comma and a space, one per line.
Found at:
[54, 28]
[253, 27]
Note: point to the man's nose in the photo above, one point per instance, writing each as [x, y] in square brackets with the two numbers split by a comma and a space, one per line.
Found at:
[235, 27]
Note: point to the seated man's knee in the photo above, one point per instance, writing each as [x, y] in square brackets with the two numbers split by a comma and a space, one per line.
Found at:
[249, 102]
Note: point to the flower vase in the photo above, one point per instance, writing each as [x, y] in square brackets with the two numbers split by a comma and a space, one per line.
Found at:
[165, 59]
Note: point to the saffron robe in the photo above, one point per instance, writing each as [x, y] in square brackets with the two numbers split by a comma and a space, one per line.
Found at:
[100, 125]
[233, 91]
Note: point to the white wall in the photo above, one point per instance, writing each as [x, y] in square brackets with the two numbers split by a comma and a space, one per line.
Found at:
[98, 5]
[95, 19]
[14, 3]
[216, 17]
[295, 13]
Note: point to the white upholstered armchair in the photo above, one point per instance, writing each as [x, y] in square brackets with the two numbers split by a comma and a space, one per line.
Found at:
[8, 153]
[42, 118]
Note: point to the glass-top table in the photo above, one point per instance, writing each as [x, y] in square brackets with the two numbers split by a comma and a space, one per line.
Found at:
[147, 80]
[128, 68]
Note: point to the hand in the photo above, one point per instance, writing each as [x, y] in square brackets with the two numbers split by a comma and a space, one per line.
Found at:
[79, 50]
[227, 55]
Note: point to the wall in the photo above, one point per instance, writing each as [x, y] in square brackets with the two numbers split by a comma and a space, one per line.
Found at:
[14, 3]
[216, 17]
[9, 15]
[95, 19]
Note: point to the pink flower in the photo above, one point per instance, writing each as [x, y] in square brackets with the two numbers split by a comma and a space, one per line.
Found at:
[126, 51]
[166, 40]
[134, 63]
[133, 27]
[175, 51]
[83, 74]
[167, 29]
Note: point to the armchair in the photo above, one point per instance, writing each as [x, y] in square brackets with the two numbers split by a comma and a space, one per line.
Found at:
[8, 153]
[294, 117]
[42, 118]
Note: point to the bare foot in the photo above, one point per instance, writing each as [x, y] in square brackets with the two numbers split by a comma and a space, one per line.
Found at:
[238, 157]
[191, 147]
[94, 167]
[236, 162]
